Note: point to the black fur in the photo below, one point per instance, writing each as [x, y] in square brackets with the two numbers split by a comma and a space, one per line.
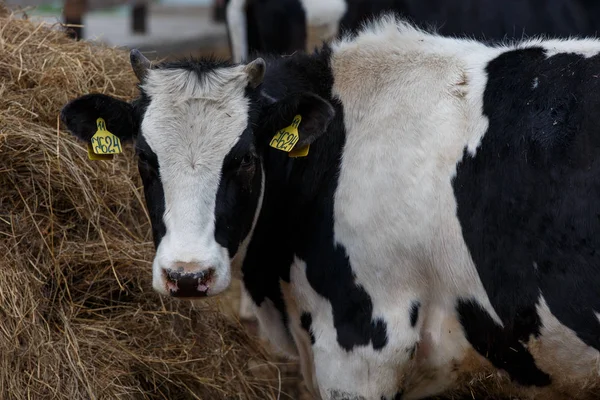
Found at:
[527, 202]
[274, 27]
[488, 20]
[397, 396]
[503, 350]
[414, 313]
[153, 189]
[198, 66]
[316, 114]
[238, 193]
[497, 20]
[306, 322]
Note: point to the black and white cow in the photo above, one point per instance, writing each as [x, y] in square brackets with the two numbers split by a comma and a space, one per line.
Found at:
[497, 20]
[444, 221]
[282, 26]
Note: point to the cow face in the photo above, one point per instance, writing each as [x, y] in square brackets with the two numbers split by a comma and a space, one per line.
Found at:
[201, 129]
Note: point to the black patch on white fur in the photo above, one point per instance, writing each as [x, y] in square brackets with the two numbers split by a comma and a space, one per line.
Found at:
[414, 313]
[306, 322]
[528, 204]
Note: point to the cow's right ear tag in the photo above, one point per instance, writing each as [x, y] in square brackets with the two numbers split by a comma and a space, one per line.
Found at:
[103, 144]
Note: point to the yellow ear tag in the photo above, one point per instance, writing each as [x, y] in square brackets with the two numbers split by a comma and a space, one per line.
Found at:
[301, 152]
[103, 143]
[286, 138]
[94, 156]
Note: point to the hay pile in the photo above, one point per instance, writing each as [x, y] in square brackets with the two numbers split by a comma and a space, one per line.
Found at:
[78, 317]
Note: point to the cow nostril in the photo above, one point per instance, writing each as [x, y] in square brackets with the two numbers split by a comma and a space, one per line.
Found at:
[182, 283]
[172, 276]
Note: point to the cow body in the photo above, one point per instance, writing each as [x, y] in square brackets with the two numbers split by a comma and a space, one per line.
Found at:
[284, 26]
[493, 20]
[443, 223]
[487, 20]
[386, 277]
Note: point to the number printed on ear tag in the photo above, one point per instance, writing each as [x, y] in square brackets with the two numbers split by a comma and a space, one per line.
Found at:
[286, 138]
[94, 156]
[103, 142]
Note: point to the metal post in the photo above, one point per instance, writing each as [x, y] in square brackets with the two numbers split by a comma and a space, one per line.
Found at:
[73, 12]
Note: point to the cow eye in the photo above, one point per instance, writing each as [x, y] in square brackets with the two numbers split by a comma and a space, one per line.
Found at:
[247, 161]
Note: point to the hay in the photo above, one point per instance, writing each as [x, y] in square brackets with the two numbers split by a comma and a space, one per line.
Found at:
[79, 319]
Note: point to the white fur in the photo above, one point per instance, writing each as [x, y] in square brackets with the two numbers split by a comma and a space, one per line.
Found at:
[324, 16]
[247, 306]
[272, 326]
[324, 12]
[585, 47]
[566, 356]
[191, 124]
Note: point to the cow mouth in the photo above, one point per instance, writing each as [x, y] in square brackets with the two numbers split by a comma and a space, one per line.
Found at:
[188, 285]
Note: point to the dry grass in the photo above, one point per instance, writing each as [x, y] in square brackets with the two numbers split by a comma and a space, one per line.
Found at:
[79, 319]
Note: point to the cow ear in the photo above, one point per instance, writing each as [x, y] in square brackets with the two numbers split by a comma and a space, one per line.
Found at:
[314, 112]
[80, 116]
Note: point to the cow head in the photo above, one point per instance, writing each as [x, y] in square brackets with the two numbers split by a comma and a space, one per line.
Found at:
[200, 129]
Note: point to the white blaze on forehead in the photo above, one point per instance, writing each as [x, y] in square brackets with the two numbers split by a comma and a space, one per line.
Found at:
[191, 123]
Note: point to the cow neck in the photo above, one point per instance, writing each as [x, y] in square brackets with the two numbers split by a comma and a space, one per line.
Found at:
[297, 192]
[296, 189]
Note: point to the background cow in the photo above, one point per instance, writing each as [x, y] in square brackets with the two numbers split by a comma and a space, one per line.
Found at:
[497, 20]
[442, 219]
[280, 26]
[283, 26]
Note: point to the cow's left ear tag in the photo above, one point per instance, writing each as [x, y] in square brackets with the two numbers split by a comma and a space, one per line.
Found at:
[286, 138]
[301, 152]
[103, 145]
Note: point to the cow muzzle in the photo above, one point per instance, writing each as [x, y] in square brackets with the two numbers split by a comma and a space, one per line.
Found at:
[188, 280]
